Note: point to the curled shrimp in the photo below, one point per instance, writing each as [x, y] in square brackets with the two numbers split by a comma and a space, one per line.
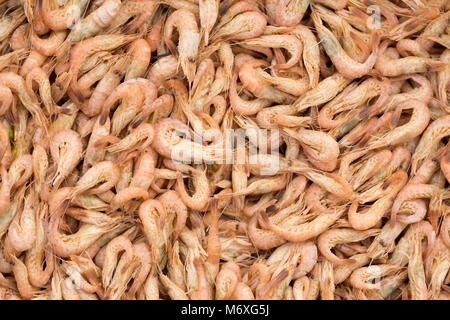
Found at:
[66, 148]
[331, 237]
[343, 63]
[185, 22]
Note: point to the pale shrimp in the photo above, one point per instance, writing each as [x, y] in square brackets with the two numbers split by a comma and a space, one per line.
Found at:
[170, 145]
[445, 164]
[424, 92]
[286, 13]
[227, 280]
[418, 122]
[88, 80]
[326, 280]
[325, 91]
[243, 26]
[173, 204]
[128, 194]
[262, 239]
[113, 248]
[95, 151]
[62, 18]
[189, 38]
[273, 164]
[99, 178]
[88, 47]
[139, 138]
[343, 63]
[140, 53]
[288, 42]
[142, 254]
[22, 230]
[154, 35]
[175, 292]
[305, 231]
[152, 215]
[241, 106]
[443, 79]
[343, 271]
[251, 78]
[433, 134]
[336, 5]
[17, 84]
[18, 39]
[26, 290]
[396, 67]
[104, 87]
[368, 218]
[143, 171]
[320, 148]
[416, 274]
[415, 232]
[201, 196]
[163, 69]
[360, 277]
[89, 26]
[40, 250]
[202, 290]
[65, 148]
[20, 171]
[437, 264]
[434, 28]
[327, 240]
[209, 12]
[311, 53]
[65, 245]
[48, 46]
[407, 47]
[163, 102]
[417, 191]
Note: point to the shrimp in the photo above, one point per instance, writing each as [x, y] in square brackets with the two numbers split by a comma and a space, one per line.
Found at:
[39, 251]
[22, 230]
[418, 122]
[17, 84]
[287, 13]
[189, 38]
[200, 198]
[305, 231]
[360, 277]
[173, 204]
[59, 19]
[65, 148]
[84, 49]
[209, 12]
[437, 130]
[416, 191]
[343, 63]
[66, 245]
[113, 248]
[246, 25]
[170, 145]
[241, 106]
[99, 178]
[320, 148]
[395, 67]
[288, 42]
[152, 215]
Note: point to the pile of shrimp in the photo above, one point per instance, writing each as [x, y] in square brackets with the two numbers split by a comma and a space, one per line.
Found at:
[118, 181]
